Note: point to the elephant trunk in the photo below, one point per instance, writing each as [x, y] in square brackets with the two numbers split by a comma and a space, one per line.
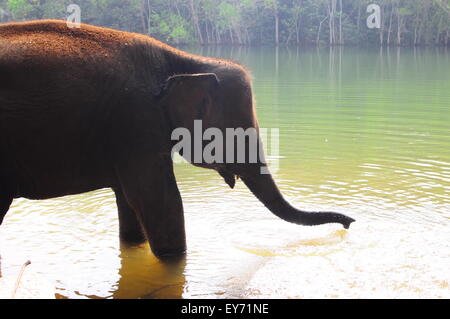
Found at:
[264, 188]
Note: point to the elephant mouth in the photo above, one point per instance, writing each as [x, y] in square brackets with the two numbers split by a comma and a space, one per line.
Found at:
[228, 177]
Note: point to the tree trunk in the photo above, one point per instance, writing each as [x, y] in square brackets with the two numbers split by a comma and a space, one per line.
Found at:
[195, 19]
[415, 36]
[219, 39]
[297, 29]
[359, 19]
[231, 35]
[144, 24]
[318, 31]
[277, 24]
[149, 13]
[399, 27]
[238, 35]
[390, 26]
[382, 25]
[341, 36]
[438, 31]
[331, 25]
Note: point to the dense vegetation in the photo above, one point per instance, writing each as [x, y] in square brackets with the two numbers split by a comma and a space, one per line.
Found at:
[292, 22]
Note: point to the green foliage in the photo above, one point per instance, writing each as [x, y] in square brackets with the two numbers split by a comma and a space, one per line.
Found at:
[20, 8]
[404, 22]
[170, 27]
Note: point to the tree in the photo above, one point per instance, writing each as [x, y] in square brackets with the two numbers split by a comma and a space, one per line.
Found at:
[244, 22]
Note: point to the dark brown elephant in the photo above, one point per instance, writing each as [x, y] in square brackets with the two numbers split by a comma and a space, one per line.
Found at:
[89, 108]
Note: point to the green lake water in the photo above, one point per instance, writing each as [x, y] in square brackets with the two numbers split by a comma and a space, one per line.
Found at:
[361, 131]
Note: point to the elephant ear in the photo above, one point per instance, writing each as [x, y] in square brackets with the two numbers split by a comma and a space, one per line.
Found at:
[189, 96]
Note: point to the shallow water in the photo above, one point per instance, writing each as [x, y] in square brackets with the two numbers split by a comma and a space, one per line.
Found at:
[365, 132]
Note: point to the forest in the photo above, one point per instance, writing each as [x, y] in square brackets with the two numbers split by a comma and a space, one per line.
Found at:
[255, 22]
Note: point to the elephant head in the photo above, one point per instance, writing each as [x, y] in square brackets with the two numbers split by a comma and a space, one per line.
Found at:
[222, 99]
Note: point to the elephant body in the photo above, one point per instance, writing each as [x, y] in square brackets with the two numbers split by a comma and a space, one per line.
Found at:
[89, 108]
[75, 101]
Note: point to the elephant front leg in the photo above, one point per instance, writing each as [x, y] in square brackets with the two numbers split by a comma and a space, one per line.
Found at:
[130, 229]
[150, 188]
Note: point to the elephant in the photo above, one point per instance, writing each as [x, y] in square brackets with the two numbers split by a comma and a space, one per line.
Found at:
[88, 108]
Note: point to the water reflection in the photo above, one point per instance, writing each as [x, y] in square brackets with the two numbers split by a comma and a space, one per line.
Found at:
[142, 275]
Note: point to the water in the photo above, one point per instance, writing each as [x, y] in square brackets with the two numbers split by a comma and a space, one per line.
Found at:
[364, 132]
